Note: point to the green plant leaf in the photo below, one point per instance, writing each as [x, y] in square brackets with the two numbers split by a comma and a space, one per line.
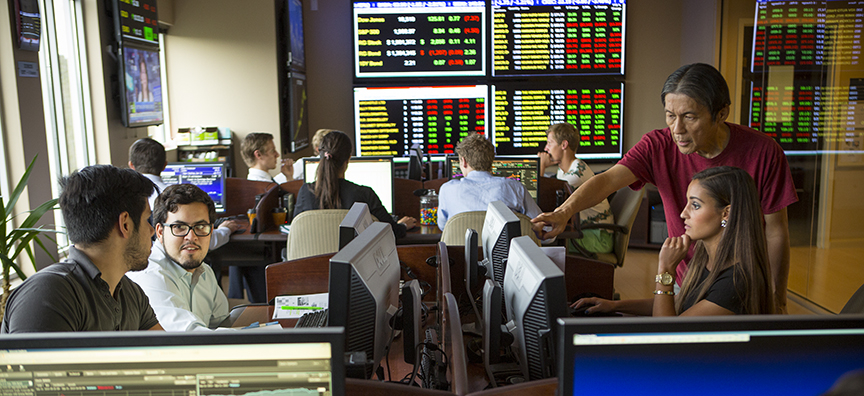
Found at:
[19, 188]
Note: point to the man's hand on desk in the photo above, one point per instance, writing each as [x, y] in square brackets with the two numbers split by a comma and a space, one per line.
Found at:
[408, 222]
[233, 225]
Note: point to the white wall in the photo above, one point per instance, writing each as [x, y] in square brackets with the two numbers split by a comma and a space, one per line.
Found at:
[221, 64]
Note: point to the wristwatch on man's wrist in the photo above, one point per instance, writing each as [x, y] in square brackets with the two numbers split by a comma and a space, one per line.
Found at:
[665, 279]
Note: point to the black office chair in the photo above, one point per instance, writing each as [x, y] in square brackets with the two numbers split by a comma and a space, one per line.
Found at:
[855, 305]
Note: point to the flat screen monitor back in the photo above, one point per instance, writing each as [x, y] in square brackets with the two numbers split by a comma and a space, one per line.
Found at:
[301, 361]
[209, 176]
[373, 172]
[355, 222]
[499, 227]
[534, 296]
[742, 354]
[364, 292]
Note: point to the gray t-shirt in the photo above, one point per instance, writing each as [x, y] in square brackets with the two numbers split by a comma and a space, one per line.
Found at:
[71, 296]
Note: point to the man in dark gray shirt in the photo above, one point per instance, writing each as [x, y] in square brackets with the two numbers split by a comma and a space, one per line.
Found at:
[105, 210]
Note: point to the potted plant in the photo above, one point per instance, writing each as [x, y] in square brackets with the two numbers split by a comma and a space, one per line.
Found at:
[15, 240]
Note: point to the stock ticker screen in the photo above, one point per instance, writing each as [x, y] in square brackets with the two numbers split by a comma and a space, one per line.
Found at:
[523, 112]
[419, 38]
[558, 37]
[391, 120]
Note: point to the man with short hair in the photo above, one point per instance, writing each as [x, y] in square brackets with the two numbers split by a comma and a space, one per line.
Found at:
[562, 140]
[478, 188]
[184, 292]
[696, 102]
[105, 210]
[260, 155]
[147, 157]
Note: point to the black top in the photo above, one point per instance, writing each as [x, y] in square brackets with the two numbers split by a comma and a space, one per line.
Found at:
[724, 292]
[72, 296]
[349, 193]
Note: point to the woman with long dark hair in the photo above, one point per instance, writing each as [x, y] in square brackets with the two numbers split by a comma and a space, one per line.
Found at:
[728, 273]
[332, 191]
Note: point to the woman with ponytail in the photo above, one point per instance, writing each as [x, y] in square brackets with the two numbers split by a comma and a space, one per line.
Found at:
[332, 191]
[728, 273]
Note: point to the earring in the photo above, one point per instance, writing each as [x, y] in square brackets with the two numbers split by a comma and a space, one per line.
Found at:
[723, 223]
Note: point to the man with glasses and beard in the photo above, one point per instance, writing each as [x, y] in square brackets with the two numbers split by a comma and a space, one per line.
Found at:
[105, 210]
[184, 293]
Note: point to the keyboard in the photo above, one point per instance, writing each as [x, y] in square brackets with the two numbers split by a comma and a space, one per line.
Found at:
[314, 319]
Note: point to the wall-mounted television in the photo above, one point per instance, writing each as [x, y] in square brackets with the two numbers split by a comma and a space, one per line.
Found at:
[389, 121]
[524, 111]
[140, 86]
[558, 37]
[419, 38]
[136, 22]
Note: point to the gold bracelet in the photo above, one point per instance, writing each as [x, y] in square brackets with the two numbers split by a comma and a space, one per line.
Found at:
[668, 293]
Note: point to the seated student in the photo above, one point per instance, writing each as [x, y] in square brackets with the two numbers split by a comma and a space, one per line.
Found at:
[183, 291]
[562, 140]
[332, 191]
[260, 155]
[147, 157]
[105, 210]
[729, 270]
[478, 188]
[299, 165]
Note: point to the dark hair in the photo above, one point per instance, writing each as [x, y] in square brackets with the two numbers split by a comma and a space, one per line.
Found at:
[253, 142]
[181, 194]
[742, 242]
[478, 151]
[700, 82]
[147, 156]
[335, 151]
[94, 197]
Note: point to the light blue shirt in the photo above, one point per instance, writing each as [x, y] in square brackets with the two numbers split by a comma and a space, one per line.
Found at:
[182, 300]
[477, 189]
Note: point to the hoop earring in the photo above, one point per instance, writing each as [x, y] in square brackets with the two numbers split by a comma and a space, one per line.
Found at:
[723, 223]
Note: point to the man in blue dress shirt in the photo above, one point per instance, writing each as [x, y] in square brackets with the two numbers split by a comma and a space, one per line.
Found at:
[479, 187]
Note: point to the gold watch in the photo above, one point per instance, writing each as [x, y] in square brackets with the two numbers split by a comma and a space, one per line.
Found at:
[665, 279]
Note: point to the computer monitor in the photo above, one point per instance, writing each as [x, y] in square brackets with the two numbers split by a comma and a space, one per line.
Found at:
[535, 297]
[718, 355]
[499, 227]
[354, 223]
[291, 361]
[524, 170]
[140, 86]
[373, 172]
[364, 293]
[209, 176]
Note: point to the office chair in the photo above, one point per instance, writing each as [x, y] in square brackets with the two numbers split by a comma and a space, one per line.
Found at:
[314, 232]
[855, 305]
[454, 230]
[624, 206]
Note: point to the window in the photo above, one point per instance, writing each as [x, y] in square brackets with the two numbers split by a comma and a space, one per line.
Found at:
[65, 90]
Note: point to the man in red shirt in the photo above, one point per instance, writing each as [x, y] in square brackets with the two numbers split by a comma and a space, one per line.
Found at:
[696, 101]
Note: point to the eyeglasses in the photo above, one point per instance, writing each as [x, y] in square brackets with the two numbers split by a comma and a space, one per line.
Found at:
[181, 229]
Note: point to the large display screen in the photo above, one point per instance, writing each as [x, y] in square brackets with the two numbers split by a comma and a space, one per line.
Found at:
[524, 111]
[137, 20]
[558, 37]
[419, 38]
[389, 121]
[792, 97]
[142, 87]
